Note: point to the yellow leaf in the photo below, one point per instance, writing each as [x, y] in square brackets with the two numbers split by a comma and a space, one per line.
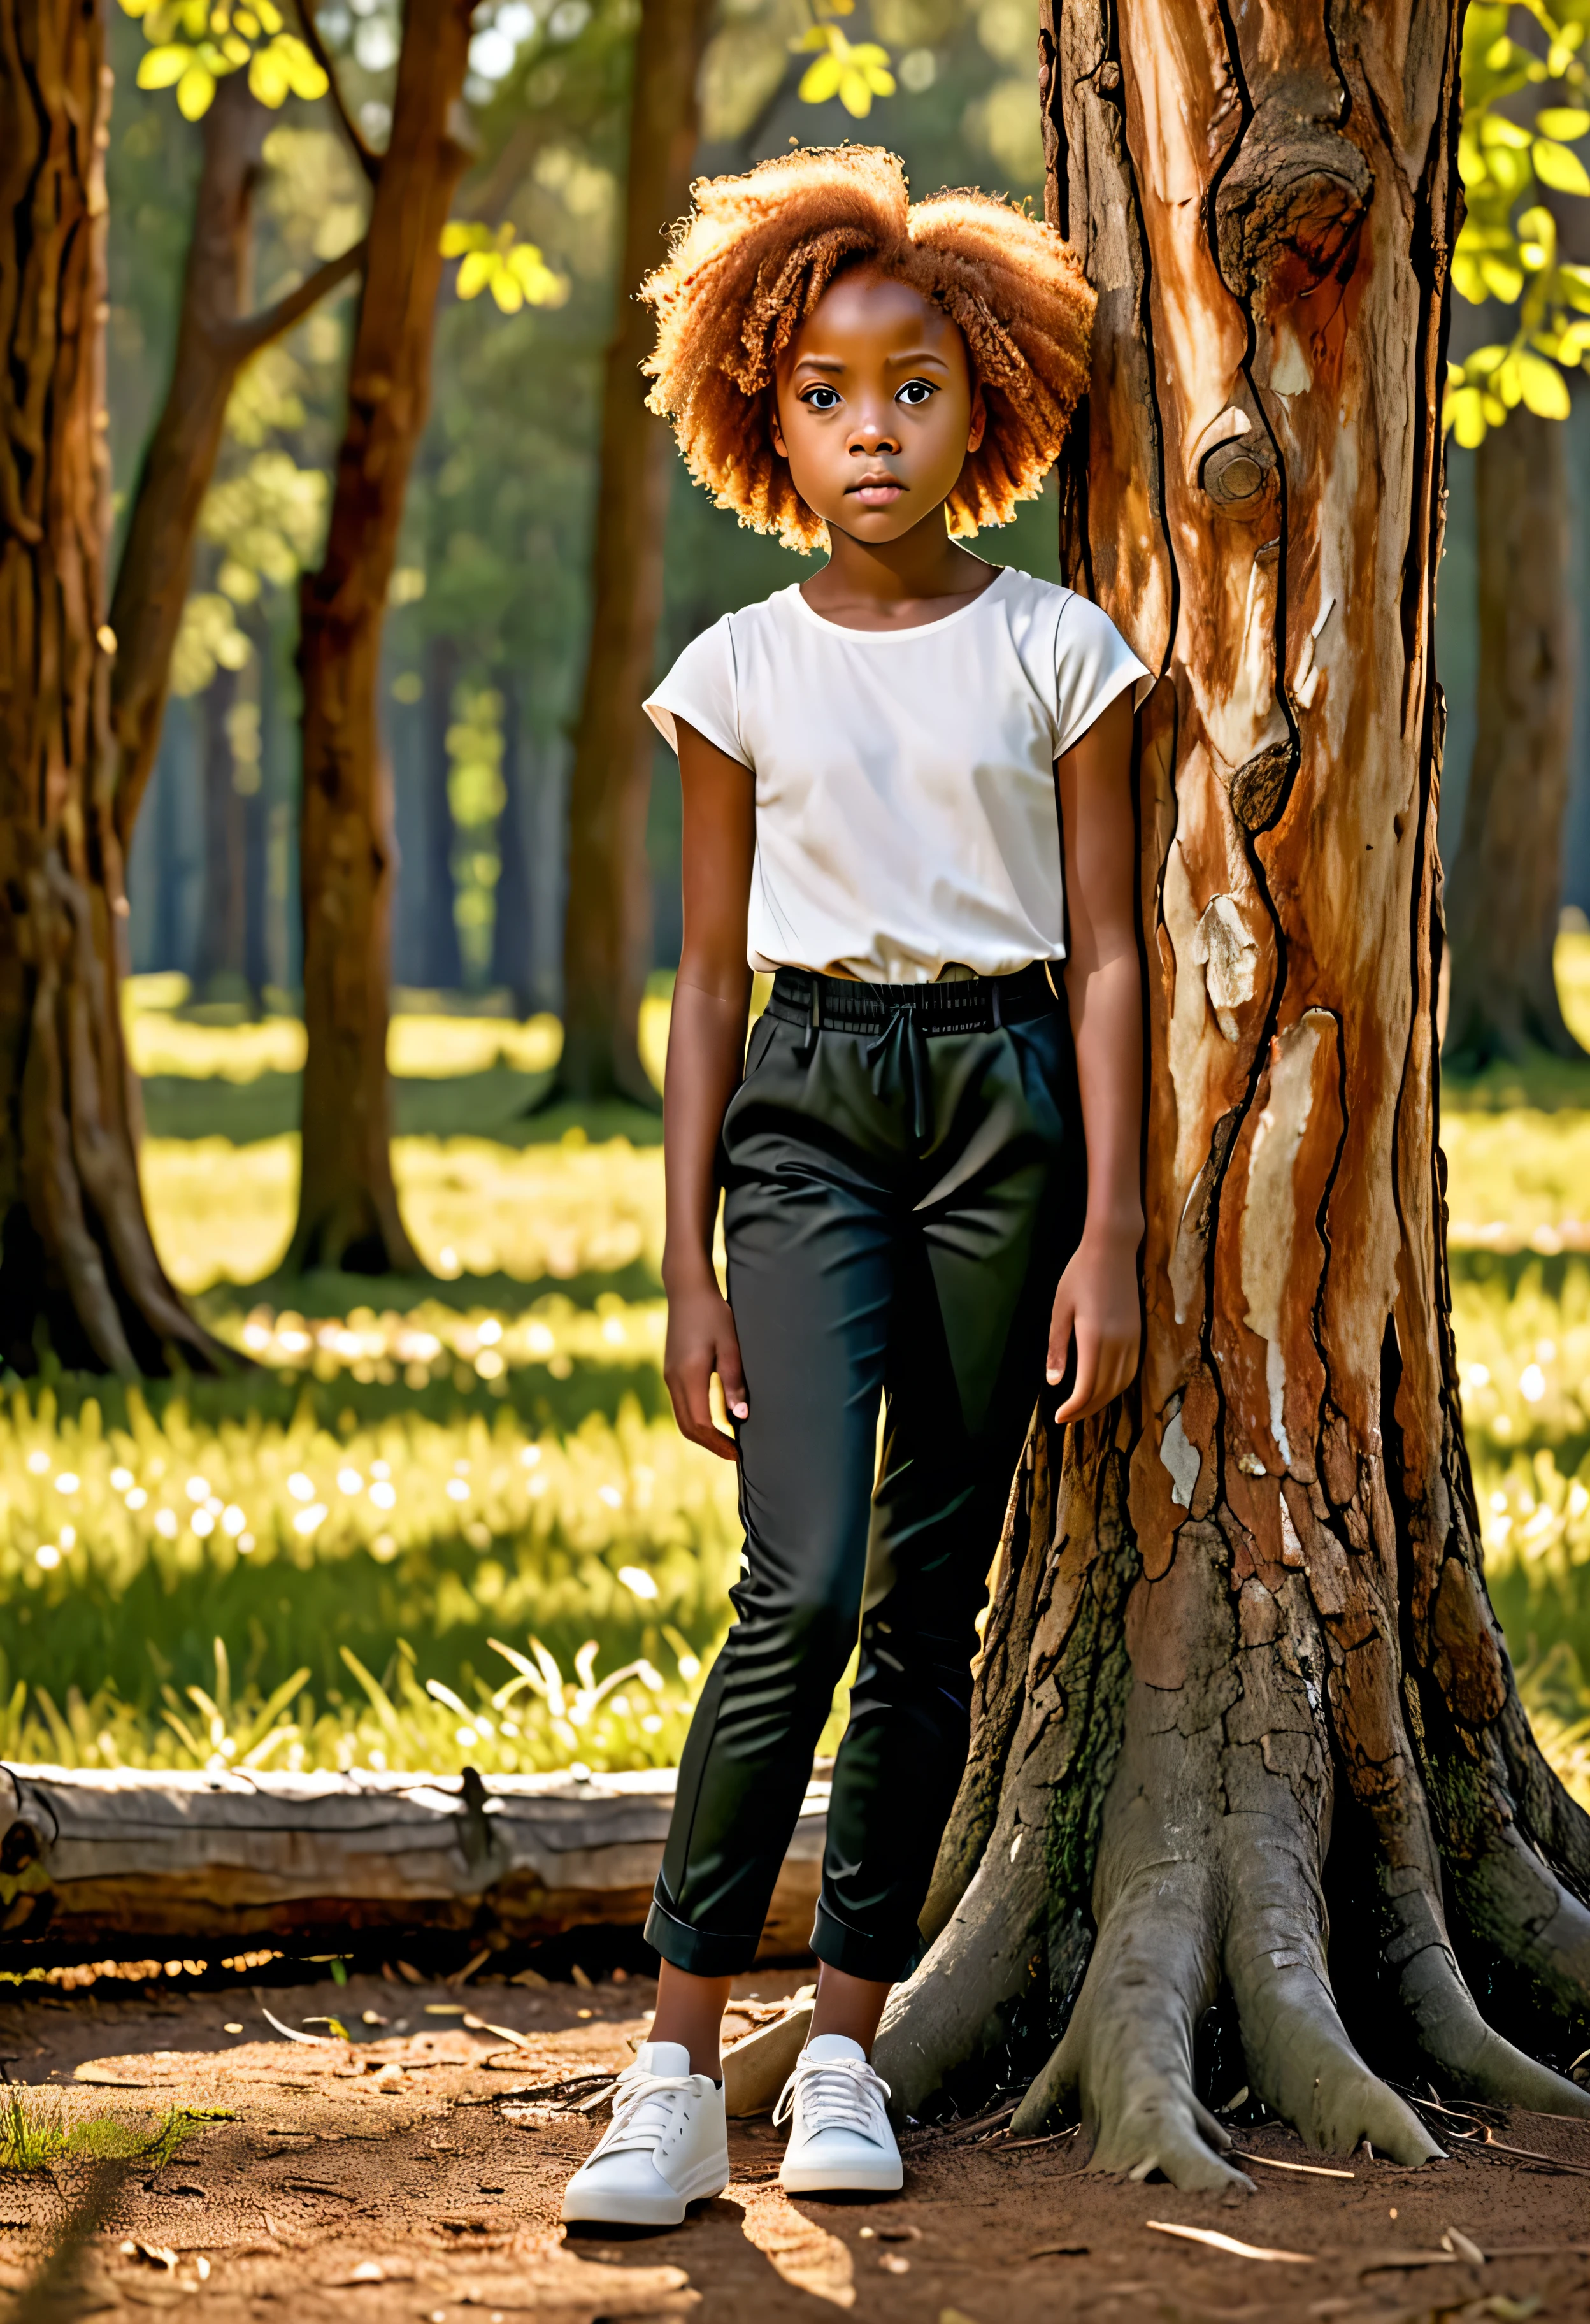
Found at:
[236, 48]
[1556, 167]
[1543, 387]
[1566, 121]
[820, 81]
[1483, 362]
[194, 92]
[1537, 224]
[1466, 279]
[136, 7]
[460, 234]
[159, 67]
[1507, 383]
[247, 23]
[1496, 411]
[1497, 130]
[507, 291]
[267, 77]
[855, 93]
[269, 15]
[1501, 280]
[476, 271]
[304, 76]
[1465, 416]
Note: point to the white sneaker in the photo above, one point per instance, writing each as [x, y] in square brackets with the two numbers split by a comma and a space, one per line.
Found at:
[667, 2145]
[840, 2138]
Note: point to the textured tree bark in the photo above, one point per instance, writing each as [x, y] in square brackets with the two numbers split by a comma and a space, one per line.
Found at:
[348, 1212]
[1506, 883]
[1241, 1657]
[607, 929]
[78, 1269]
[215, 335]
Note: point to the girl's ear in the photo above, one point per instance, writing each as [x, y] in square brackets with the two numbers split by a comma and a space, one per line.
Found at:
[979, 417]
[774, 429]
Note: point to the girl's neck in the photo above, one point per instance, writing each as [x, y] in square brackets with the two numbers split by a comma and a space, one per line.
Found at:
[885, 584]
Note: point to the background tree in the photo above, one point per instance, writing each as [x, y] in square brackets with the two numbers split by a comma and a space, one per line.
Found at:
[216, 335]
[78, 1268]
[1507, 403]
[1241, 1660]
[348, 1212]
[607, 930]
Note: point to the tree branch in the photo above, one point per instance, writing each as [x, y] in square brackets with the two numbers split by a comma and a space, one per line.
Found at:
[369, 160]
[252, 332]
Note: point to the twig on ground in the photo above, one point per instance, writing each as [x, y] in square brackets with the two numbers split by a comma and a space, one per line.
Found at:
[1312, 2170]
[1216, 2242]
[1471, 2145]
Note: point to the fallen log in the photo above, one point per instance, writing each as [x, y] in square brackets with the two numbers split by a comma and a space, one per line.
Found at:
[115, 1864]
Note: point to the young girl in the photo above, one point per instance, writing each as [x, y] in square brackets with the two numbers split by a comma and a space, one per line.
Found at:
[906, 796]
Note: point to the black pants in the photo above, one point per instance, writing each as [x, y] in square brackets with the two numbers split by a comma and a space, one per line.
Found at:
[899, 1201]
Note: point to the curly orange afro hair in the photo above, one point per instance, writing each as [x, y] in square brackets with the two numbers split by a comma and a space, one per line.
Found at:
[749, 266]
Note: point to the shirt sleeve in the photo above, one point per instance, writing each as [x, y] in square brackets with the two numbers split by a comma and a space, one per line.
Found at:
[1094, 663]
[700, 688]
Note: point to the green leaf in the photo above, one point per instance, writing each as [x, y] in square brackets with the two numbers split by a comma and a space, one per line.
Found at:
[1543, 388]
[1556, 167]
[159, 67]
[1564, 121]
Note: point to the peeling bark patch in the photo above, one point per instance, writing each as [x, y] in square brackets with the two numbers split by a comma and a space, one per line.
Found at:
[1269, 1214]
[1227, 952]
[1183, 1461]
[1298, 191]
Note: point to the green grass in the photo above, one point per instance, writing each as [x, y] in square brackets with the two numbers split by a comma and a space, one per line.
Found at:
[451, 1522]
[35, 2133]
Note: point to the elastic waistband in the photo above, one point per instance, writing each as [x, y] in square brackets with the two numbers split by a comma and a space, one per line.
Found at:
[972, 1004]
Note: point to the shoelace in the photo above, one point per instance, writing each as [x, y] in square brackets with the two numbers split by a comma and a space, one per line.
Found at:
[835, 2094]
[643, 2107]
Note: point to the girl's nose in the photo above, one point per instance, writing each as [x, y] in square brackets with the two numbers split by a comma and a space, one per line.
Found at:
[874, 433]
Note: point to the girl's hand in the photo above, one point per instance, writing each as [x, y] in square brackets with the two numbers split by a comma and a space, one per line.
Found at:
[702, 1340]
[1096, 1305]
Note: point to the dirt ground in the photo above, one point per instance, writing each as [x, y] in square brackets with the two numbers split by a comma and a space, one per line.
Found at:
[415, 2173]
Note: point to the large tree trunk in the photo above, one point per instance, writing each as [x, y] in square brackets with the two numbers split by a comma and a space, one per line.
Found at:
[1242, 1657]
[215, 335]
[347, 1202]
[1506, 884]
[607, 928]
[78, 1268]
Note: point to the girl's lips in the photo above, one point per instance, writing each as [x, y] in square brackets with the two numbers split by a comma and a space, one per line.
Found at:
[880, 493]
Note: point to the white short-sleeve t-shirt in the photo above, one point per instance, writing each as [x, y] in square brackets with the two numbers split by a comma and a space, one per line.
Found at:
[907, 818]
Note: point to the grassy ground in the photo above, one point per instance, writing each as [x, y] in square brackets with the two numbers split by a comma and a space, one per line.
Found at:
[453, 1522]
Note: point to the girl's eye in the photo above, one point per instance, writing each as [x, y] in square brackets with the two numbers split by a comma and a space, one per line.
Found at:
[914, 391]
[821, 399]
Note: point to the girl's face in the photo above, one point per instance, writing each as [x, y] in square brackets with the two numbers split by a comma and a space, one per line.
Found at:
[877, 407]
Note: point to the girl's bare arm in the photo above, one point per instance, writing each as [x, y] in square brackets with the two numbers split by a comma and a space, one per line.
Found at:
[706, 1054]
[1097, 1302]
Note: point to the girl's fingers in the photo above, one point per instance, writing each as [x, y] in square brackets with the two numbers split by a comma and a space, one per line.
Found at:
[1059, 1340]
[732, 1375]
[690, 1392]
[1080, 1399]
